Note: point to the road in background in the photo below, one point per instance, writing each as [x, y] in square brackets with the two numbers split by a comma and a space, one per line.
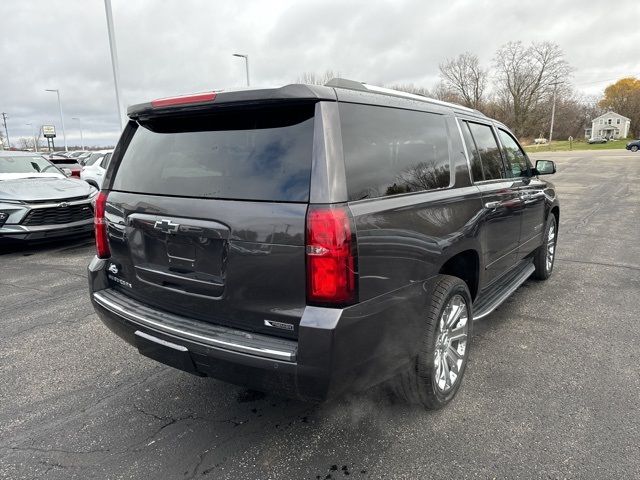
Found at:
[551, 390]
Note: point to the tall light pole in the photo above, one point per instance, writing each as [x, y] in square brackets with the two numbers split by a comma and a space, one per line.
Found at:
[114, 58]
[80, 125]
[246, 64]
[33, 133]
[64, 135]
[553, 109]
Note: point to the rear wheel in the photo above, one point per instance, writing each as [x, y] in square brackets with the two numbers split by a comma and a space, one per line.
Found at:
[546, 253]
[435, 377]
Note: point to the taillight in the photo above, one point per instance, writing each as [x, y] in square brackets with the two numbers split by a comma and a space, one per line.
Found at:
[331, 256]
[184, 99]
[100, 224]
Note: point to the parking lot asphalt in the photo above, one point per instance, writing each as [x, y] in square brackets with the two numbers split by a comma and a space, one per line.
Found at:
[552, 389]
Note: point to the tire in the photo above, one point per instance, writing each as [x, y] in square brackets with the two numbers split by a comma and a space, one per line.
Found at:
[424, 383]
[541, 260]
[634, 148]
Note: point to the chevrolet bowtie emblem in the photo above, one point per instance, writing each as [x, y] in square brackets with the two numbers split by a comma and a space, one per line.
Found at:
[166, 226]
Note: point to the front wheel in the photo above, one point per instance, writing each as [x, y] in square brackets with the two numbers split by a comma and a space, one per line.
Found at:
[634, 148]
[546, 253]
[435, 377]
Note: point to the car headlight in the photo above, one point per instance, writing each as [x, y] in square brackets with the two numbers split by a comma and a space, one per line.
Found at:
[11, 208]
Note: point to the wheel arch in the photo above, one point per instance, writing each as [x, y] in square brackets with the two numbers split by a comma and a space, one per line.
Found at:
[466, 266]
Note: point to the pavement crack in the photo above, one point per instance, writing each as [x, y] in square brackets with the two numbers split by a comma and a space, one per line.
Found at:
[46, 324]
[59, 450]
[21, 287]
[604, 264]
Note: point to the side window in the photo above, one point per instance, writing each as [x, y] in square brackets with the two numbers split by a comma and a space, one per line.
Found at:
[474, 156]
[105, 161]
[516, 159]
[388, 151]
[489, 151]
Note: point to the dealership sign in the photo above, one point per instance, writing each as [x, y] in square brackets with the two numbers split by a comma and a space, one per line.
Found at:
[49, 131]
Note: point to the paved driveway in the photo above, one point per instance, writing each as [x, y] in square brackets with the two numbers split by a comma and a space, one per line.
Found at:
[552, 390]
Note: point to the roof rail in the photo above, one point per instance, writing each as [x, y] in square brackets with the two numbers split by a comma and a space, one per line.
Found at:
[364, 87]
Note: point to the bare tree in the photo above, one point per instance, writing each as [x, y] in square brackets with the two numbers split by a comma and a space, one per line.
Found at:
[464, 76]
[25, 143]
[312, 78]
[411, 88]
[526, 78]
[443, 92]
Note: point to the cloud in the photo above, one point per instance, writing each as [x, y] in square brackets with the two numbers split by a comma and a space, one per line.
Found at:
[181, 46]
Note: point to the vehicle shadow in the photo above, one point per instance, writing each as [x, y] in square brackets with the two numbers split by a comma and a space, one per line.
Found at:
[296, 439]
[30, 248]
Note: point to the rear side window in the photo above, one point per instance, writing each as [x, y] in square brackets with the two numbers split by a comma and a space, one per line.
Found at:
[244, 154]
[488, 150]
[474, 156]
[105, 161]
[388, 151]
[516, 159]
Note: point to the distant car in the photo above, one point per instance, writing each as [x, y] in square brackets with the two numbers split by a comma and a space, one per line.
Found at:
[92, 158]
[540, 141]
[37, 201]
[597, 140]
[633, 145]
[77, 154]
[83, 157]
[59, 154]
[69, 164]
[93, 173]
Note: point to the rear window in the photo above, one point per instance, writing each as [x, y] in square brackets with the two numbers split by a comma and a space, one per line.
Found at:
[247, 154]
[388, 151]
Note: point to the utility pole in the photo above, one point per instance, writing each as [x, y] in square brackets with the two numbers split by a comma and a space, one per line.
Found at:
[6, 130]
[553, 109]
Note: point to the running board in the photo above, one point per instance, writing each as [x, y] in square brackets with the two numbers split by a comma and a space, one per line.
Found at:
[497, 293]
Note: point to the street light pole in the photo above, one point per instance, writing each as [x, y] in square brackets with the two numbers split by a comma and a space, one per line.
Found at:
[33, 133]
[80, 125]
[64, 135]
[114, 59]
[246, 64]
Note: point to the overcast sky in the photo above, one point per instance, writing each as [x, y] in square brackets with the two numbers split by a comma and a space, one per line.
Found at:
[179, 46]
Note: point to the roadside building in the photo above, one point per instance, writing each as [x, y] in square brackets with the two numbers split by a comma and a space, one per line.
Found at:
[610, 125]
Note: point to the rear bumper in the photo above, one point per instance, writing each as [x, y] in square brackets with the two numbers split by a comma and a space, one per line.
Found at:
[30, 233]
[336, 350]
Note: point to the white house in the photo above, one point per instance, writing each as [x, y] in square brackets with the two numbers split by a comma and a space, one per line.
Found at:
[610, 125]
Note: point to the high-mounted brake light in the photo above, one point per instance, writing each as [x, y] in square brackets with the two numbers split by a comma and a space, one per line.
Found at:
[331, 262]
[100, 224]
[184, 99]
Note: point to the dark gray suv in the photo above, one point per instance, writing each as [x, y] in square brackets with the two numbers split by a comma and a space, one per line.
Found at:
[310, 240]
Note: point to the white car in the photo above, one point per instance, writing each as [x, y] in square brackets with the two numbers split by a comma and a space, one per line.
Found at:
[95, 166]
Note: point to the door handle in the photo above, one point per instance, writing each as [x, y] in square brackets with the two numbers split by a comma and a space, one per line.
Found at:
[531, 196]
[492, 205]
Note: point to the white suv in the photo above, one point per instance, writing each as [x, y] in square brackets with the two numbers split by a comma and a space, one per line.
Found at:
[95, 166]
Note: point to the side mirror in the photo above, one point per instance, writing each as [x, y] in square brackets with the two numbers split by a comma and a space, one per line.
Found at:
[545, 167]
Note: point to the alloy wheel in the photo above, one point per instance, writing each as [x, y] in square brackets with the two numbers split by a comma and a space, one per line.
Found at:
[451, 343]
[551, 246]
